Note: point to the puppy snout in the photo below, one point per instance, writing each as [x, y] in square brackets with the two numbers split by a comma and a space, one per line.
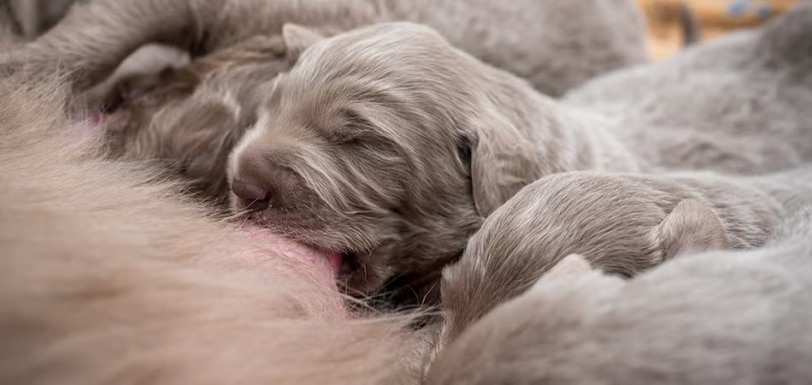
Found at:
[260, 184]
[251, 195]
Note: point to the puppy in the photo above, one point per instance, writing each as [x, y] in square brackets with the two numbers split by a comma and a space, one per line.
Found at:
[109, 276]
[724, 317]
[623, 224]
[388, 146]
[149, 116]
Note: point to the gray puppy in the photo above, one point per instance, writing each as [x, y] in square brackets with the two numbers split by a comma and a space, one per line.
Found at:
[623, 224]
[724, 317]
[389, 146]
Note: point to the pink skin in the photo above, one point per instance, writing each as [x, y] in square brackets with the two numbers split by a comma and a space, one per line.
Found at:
[272, 253]
[324, 265]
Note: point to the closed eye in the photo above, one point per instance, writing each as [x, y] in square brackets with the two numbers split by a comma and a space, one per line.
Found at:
[351, 129]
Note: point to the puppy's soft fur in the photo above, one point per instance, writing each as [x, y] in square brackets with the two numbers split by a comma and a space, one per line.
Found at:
[30, 18]
[623, 224]
[186, 118]
[724, 317]
[108, 276]
[556, 44]
[389, 145]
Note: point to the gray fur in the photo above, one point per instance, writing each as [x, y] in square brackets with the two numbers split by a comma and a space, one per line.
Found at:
[740, 103]
[724, 317]
[557, 44]
[388, 143]
[622, 223]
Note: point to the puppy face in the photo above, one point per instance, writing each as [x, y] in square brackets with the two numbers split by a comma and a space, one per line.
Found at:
[358, 152]
[188, 118]
[623, 224]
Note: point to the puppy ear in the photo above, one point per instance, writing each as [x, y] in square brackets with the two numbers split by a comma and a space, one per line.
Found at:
[502, 162]
[691, 227]
[298, 38]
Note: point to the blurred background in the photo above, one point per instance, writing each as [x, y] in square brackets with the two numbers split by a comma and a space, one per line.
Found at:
[667, 19]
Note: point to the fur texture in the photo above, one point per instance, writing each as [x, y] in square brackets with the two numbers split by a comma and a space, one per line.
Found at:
[623, 224]
[578, 40]
[740, 103]
[109, 276]
[30, 18]
[390, 146]
[724, 317]
[185, 119]
[149, 114]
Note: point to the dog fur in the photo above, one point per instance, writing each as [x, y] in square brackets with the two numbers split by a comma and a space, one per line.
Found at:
[389, 145]
[186, 119]
[722, 317]
[578, 40]
[109, 276]
[577, 46]
[623, 224]
[30, 18]
[736, 104]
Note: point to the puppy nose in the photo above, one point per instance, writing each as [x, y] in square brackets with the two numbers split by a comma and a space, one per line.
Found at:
[251, 195]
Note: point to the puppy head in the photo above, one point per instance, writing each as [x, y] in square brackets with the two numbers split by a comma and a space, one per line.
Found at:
[622, 224]
[188, 117]
[380, 145]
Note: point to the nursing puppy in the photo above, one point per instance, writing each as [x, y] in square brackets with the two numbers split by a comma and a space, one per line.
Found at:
[150, 116]
[388, 146]
[623, 224]
[108, 276]
[724, 317]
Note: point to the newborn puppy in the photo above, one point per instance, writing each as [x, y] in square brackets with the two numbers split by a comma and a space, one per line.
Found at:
[724, 317]
[151, 113]
[623, 224]
[108, 276]
[388, 146]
